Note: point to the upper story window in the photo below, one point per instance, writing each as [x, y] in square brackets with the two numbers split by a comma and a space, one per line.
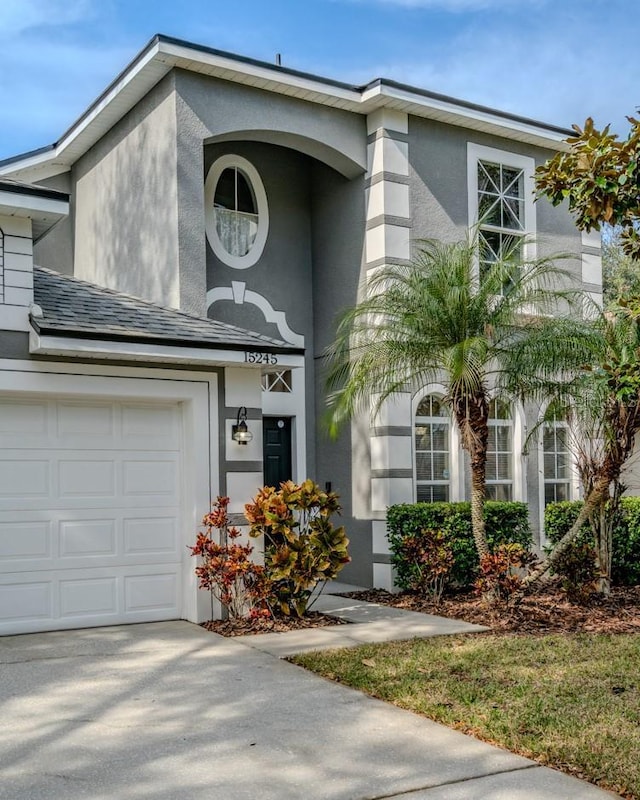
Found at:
[432, 450]
[501, 195]
[237, 217]
[500, 452]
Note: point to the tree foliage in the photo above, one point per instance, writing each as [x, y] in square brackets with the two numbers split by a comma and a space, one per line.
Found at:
[599, 176]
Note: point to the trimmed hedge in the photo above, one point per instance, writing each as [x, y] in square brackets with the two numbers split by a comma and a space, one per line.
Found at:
[625, 568]
[506, 522]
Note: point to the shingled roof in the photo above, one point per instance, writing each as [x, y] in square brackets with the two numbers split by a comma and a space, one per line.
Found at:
[77, 308]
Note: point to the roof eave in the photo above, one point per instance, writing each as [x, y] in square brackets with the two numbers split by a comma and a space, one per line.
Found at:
[113, 349]
[429, 105]
[162, 54]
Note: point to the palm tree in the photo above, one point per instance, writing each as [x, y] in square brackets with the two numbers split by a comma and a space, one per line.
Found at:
[436, 320]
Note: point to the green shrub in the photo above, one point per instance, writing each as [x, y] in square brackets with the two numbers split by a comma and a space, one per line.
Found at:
[625, 571]
[506, 522]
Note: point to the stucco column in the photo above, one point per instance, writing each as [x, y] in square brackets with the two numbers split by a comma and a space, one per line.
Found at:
[16, 273]
[592, 265]
[388, 241]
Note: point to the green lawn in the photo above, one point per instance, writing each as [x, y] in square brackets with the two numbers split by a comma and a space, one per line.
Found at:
[572, 702]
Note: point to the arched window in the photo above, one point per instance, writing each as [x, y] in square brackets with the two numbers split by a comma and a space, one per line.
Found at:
[432, 449]
[237, 217]
[500, 451]
[556, 462]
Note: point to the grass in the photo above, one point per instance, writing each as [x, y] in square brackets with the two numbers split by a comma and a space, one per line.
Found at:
[571, 702]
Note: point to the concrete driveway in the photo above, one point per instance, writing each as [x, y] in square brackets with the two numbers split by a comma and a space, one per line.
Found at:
[168, 711]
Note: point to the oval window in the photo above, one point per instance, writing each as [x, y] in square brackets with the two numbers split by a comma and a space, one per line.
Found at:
[236, 212]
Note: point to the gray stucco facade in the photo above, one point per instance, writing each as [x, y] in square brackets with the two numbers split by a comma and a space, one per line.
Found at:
[349, 187]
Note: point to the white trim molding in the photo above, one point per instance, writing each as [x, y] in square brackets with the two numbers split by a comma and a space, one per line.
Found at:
[149, 353]
[240, 294]
[252, 176]
[198, 398]
[456, 455]
[478, 152]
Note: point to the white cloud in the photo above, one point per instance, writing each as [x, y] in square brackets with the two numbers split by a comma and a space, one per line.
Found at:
[18, 16]
[544, 72]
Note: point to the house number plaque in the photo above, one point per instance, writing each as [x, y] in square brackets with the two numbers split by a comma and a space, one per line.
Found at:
[260, 358]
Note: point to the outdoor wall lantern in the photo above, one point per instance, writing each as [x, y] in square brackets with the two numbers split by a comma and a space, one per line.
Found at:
[239, 432]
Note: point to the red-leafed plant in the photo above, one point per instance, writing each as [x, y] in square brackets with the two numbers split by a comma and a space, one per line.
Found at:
[226, 568]
[500, 571]
[428, 557]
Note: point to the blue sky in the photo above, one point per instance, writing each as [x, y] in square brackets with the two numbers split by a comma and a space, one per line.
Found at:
[554, 60]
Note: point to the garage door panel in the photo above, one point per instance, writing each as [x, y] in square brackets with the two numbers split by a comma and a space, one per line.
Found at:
[79, 478]
[151, 592]
[91, 529]
[25, 600]
[86, 597]
[68, 538]
[94, 425]
[150, 536]
[101, 596]
[150, 477]
[145, 427]
[23, 477]
[28, 540]
[81, 538]
[23, 421]
[32, 479]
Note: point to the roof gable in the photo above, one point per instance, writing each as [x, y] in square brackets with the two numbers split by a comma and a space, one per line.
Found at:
[163, 53]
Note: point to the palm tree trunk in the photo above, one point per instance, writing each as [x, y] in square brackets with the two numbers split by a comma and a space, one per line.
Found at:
[471, 414]
[604, 534]
[478, 469]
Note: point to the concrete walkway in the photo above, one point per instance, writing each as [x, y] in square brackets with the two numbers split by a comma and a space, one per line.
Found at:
[167, 711]
[369, 623]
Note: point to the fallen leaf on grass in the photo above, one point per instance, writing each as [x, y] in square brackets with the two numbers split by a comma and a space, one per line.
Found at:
[368, 662]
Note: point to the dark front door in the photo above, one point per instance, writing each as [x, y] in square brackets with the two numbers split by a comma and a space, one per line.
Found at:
[276, 450]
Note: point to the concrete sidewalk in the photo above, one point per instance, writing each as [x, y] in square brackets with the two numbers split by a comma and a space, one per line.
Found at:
[167, 711]
[369, 622]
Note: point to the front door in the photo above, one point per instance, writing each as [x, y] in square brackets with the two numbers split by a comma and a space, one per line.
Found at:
[276, 450]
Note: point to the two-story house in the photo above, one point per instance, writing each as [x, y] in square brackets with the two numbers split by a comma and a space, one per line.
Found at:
[174, 263]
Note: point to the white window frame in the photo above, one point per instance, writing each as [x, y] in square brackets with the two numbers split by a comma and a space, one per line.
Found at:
[477, 153]
[518, 437]
[574, 480]
[252, 176]
[456, 462]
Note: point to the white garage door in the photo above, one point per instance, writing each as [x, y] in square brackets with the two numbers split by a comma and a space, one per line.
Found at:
[90, 496]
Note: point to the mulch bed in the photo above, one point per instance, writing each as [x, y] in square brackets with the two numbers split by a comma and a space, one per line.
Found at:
[546, 611]
[246, 627]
